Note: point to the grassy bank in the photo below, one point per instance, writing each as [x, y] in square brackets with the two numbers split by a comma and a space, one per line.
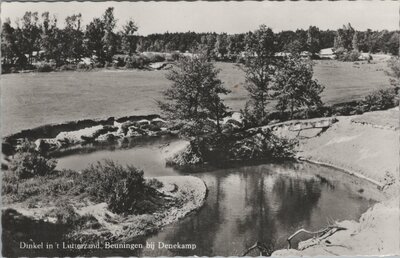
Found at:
[27, 99]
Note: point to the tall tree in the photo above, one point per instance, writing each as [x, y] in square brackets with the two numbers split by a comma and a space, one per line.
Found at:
[109, 38]
[294, 86]
[30, 34]
[221, 45]
[74, 37]
[9, 44]
[313, 40]
[355, 41]
[344, 37]
[195, 92]
[51, 38]
[128, 37]
[93, 39]
[260, 67]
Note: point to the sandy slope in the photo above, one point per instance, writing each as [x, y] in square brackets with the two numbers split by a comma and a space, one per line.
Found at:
[369, 149]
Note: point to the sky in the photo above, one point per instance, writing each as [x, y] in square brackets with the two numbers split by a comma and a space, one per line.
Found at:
[230, 17]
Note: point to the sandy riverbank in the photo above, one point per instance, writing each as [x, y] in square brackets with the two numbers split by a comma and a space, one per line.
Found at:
[187, 192]
[367, 146]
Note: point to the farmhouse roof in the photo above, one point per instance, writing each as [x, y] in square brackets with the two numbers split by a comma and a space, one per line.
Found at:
[326, 51]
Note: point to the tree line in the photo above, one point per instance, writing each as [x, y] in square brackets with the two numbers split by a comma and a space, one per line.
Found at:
[40, 35]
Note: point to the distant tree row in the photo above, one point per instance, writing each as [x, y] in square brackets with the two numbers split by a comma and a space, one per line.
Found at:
[226, 46]
[41, 36]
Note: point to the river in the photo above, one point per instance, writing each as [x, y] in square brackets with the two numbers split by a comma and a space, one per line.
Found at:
[245, 203]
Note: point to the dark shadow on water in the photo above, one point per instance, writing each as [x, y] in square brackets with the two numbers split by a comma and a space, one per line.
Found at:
[124, 144]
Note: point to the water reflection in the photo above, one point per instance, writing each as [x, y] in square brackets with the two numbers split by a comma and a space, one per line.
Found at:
[255, 203]
[246, 204]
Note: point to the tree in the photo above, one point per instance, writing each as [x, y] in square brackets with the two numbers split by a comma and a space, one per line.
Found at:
[74, 37]
[128, 39]
[9, 44]
[194, 95]
[221, 46]
[109, 39]
[294, 86]
[260, 67]
[30, 34]
[344, 37]
[313, 40]
[394, 73]
[93, 39]
[393, 44]
[355, 41]
[294, 47]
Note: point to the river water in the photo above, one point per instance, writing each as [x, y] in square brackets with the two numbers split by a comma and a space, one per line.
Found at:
[245, 203]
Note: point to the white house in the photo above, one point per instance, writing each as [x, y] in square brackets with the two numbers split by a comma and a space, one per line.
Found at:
[327, 53]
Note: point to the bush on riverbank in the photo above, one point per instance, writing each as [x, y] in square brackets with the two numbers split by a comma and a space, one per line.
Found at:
[124, 189]
[380, 100]
[257, 145]
[377, 100]
[28, 162]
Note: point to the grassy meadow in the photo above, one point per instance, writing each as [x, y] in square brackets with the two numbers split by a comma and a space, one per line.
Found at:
[32, 99]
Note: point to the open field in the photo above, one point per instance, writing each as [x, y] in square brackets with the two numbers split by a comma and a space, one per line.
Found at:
[33, 99]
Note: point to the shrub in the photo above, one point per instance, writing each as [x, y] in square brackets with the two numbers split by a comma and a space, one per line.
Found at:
[98, 65]
[347, 56]
[154, 183]
[262, 145]
[129, 63]
[10, 183]
[82, 66]
[122, 188]
[380, 99]
[175, 56]
[156, 58]
[44, 68]
[13, 70]
[244, 146]
[67, 67]
[56, 184]
[28, 162]
[65, 214]
[189, 156]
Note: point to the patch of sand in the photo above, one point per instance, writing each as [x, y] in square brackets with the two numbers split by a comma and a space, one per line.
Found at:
[370, 152]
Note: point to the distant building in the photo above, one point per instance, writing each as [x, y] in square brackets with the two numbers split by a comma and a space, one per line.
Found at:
[365, 56]
[305, 54]
[327, 53]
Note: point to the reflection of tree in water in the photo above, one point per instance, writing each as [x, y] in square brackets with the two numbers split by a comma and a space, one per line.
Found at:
[297, 198]
[201, 228]
[258, 222]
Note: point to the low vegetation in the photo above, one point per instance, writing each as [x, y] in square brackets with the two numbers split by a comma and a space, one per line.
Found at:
[28, 162]
[124, 189]
[257, 145]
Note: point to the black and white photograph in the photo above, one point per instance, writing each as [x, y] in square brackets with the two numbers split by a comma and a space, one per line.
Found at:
[200, 128]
